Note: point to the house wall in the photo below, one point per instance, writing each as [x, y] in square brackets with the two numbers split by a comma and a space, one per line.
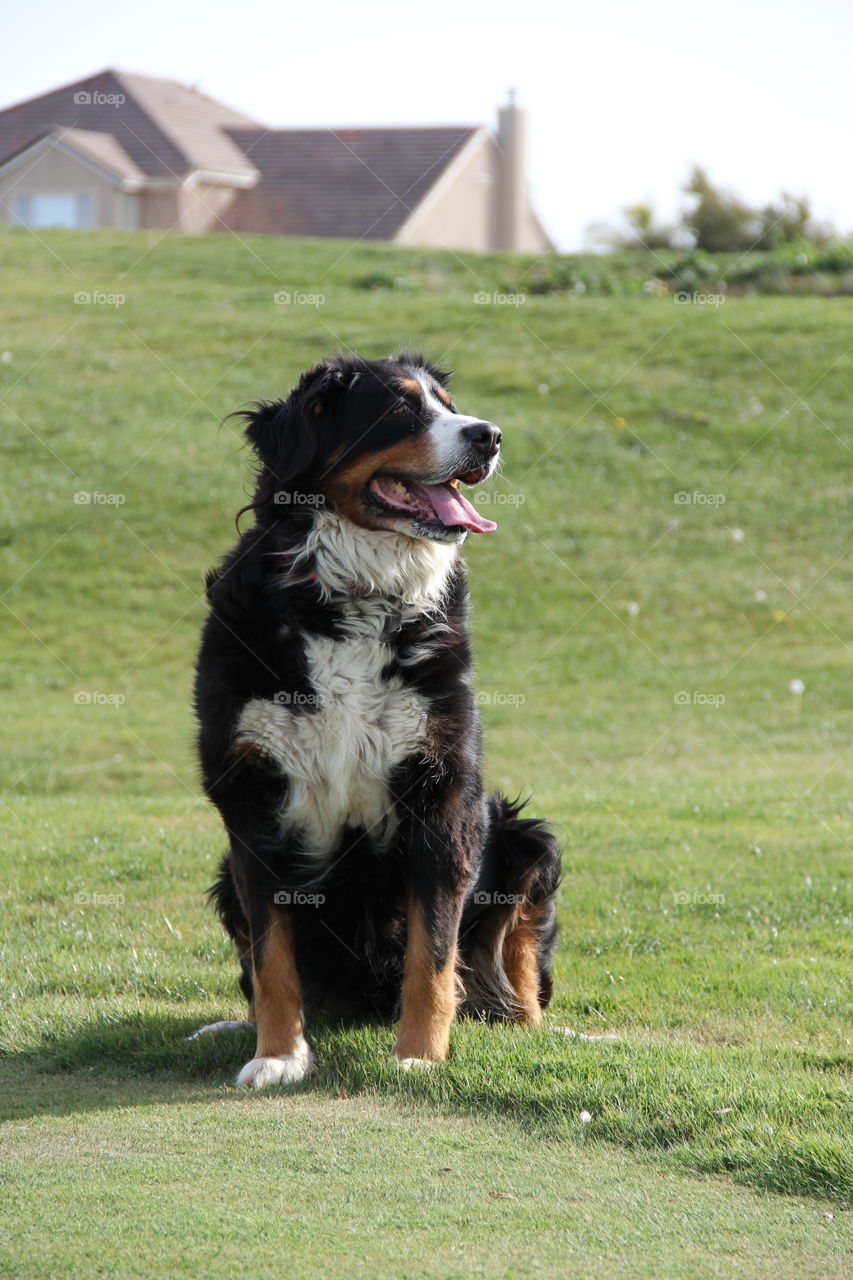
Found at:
[463, 210]
[159, 208]
[56, 172]
[202, 206]
[457, 213]
[532, 237]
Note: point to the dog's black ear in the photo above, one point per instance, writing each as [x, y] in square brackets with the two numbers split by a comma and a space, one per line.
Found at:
[285, 434]
[321, 387]
[283, 441]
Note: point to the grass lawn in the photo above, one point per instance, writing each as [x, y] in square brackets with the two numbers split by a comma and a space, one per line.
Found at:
[664, 660]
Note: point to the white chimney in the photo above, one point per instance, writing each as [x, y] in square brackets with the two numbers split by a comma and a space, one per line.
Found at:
[510, 187]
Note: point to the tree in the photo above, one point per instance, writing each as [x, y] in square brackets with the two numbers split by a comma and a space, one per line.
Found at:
[789, 219]
[641, 231]
[718, 221]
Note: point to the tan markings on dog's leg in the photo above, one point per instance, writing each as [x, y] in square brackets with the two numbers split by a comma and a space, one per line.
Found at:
[429, 996]
[522, 967]
[277, 991]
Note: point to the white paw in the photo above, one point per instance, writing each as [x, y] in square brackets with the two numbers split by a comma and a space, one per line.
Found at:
[217, 1028]
[289, 1068]
[416, 1064]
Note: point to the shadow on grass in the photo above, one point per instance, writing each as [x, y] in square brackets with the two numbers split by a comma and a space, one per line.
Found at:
[761, 1118]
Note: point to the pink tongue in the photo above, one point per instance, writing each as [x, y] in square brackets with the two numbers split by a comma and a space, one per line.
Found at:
[452, 507]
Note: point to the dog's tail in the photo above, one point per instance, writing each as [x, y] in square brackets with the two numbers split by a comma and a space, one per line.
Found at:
[509, 927]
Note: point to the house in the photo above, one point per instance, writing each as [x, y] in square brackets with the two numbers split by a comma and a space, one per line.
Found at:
[124, 151]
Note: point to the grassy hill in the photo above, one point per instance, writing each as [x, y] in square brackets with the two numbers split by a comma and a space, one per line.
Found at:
[664, 659]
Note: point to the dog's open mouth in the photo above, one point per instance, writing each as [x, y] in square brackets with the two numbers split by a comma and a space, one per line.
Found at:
[432, 504]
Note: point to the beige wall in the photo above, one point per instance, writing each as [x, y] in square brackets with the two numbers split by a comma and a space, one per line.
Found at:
[190, 208]
[462, 210]
[457, 213]
[56, 171]
[202, 206]
[159, 208]
[533, 238]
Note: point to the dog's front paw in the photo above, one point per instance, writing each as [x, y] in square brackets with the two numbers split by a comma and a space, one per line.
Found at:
[415, 1064]
[288, 1068]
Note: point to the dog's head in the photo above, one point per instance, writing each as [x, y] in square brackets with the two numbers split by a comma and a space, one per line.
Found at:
[379, 442]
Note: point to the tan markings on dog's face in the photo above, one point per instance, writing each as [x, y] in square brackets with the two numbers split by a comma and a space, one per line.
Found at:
[443, 395]
[411, 385]
[348, 488]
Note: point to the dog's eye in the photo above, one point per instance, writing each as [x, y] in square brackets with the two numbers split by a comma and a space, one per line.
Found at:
[402, 407]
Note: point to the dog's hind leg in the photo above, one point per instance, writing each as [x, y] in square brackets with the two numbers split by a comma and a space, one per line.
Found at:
[509, 925]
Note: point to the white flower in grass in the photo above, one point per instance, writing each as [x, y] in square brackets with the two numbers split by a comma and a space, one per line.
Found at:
[797, 688]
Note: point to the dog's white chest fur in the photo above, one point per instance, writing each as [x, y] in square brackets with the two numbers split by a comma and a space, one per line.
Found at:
[338, 754]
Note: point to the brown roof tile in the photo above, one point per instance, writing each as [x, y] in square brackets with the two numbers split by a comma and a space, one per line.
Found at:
[360, 183]
[103, 149]
[165, 128]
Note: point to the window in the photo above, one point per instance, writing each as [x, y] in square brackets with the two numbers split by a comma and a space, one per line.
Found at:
[56, 209]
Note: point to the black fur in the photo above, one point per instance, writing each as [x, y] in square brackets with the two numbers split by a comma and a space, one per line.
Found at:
[453, 843]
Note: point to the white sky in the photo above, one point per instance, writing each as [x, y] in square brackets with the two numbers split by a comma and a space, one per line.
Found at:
[622, 95]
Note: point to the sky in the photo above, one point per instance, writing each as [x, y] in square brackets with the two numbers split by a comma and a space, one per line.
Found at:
[622, 97]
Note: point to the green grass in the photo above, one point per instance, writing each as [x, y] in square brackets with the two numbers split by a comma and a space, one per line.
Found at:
[706, 902]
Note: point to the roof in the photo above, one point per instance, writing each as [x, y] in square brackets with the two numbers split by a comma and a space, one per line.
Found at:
[103, 149]
[165, 129]
[194, 122]
[352, 183]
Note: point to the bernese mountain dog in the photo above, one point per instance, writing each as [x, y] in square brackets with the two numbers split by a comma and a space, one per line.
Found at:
[368, 875]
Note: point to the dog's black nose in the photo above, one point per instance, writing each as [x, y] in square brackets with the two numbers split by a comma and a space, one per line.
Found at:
[485, 434]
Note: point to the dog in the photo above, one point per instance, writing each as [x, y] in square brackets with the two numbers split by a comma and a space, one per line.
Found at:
[368, 874]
